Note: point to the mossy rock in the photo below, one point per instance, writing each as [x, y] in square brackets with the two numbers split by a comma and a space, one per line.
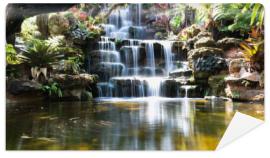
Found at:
[204, 51]
[205, 42]
[58, 24]
[227, 43]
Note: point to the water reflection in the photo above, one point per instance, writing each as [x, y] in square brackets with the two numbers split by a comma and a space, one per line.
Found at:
[122, 124]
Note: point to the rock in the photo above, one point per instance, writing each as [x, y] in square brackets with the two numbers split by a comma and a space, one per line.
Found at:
[18, 91]
[75, 87]
[86, 96]
[204, 34]
[58, 24]
[245, 88]
[236, 90]
[66, 81]
[235, 65]
[190, 43]
[228, 43]
[180, 73]
[205, 66]
[17, 87]
[250, 76]
[136, 32]
[147, 71]
[233, 53]
[126, 56]
[97, 56]
[217, 85]
[169, 88]
[105, 70]
[191, 91]
[177, 46]
[205, 42]
[180, 53]
[204, 51]
[128, 87]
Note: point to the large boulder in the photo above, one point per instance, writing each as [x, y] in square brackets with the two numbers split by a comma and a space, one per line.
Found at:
[191, 42]
[209, 65]
[204, 51]
[244, 90]
[228, 43]
[58, 24]
[66, 81]
[205, 42]
[19, 91]
[17, 87]
[75, 87]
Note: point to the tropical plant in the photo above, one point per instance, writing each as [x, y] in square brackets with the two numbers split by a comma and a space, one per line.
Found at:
[11, 55]
[40, 53]
[52, 89]
[176, 22]
[72, 65]
[253, 52]
[234, 17]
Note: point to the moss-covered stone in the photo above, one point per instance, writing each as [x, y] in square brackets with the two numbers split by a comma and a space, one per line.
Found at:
[205, 42]
[227, 43]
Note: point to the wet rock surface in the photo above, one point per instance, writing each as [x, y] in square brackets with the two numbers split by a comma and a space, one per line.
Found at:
[180, 73]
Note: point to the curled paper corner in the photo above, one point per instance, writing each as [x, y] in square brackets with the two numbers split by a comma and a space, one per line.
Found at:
[239, 125]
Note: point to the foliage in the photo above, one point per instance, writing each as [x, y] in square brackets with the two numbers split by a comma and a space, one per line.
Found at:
[41, 54]
[29, 29]
[82, 31]
[11, 55]
[189, 32]
[251, 48]
[231, 17]
[52, 89]
[79, 32]
[176, 22]
[72, 65]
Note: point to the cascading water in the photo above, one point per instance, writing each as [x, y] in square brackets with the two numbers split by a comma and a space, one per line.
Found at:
[139, 67]
[150, 55]
[167, 49]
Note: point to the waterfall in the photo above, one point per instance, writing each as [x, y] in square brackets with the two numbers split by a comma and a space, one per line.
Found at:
[150, 56]
[140, 67]
[135, 59]
[154, 84]
[139, 5]
[167, 49]
[186, 88]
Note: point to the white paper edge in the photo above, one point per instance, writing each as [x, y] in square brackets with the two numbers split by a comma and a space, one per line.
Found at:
[239, 125]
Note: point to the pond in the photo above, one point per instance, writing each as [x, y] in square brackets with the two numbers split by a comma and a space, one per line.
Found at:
[151, 123]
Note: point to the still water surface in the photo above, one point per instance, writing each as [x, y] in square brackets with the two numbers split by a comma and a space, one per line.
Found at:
[122, 124]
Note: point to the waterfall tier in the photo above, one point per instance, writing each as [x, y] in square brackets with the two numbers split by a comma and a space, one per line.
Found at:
[135, 67]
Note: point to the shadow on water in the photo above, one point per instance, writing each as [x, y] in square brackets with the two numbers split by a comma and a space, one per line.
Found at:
[152, 123]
